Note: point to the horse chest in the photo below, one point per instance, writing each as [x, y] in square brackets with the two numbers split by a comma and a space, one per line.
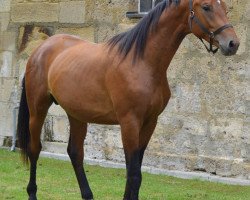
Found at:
[159, 99]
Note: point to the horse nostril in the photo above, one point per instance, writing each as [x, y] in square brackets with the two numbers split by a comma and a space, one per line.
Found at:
[231, 44]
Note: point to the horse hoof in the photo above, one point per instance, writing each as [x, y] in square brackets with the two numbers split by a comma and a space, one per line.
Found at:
[32, 197]
[88, 197]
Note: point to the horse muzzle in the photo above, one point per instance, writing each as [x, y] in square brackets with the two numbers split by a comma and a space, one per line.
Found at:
[229, 47]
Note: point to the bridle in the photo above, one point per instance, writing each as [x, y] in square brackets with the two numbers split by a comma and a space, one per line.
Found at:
[211, 34]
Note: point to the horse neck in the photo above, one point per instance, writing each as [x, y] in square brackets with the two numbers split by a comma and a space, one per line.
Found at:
[164, 42]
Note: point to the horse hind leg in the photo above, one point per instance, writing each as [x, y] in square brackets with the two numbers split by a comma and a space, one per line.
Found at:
[75, 150]
[32, 113]
[35, 124]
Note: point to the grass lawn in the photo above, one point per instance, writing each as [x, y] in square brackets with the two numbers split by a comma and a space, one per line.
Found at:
[56, 181]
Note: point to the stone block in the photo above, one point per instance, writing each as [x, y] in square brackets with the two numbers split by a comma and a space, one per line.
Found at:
[4, 21]
[55, 129]
[56, 110]
[184, 47]
[187, 98]
[198, 68]
[224, 98]
[236, 10]
[95, 146]
[104, 32]
[242, 32]
[180, 135]
[226, 128]
[6, 59]
[6, 122]
[72, 12]
[60, 129]
[110, 12]
[94, 152]
[125, 27]
[20, 69]
[8, 40]
[5, 5]
[86, 33]
[55, 147]
[174, 72]
[248, 100]
[34, 12]
[238, 71]
[247, 12]
[112, 137]
[7, 88]
[195, 126]
[225, 137]
[1, 140]
[195, 45]
[247, 109]
[245, 140]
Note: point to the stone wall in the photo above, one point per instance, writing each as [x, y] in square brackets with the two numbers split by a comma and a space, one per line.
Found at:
[206, 125]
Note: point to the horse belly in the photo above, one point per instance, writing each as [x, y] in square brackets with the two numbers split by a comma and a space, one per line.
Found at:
[91, 112]
[86, 103]
[84, 98]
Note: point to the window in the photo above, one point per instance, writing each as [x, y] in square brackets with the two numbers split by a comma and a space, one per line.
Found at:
[146, 5]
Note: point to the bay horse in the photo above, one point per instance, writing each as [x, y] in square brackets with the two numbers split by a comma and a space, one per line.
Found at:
[122, 81]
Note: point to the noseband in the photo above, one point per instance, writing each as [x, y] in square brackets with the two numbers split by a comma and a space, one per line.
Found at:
[211, 34]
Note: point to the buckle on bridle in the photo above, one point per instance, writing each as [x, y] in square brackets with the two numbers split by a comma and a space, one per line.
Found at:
[191, 14]
[212, 35]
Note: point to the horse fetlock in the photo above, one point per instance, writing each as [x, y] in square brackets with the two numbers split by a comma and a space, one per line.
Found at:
[31, 189]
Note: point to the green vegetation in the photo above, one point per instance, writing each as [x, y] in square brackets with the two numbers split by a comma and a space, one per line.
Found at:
[56, 181]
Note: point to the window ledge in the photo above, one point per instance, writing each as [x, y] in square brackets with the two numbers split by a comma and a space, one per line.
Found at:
[135, 15]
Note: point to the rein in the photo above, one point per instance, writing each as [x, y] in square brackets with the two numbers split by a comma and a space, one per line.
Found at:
[211, 34]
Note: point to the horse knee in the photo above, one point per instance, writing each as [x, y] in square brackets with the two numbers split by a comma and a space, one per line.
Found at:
[73, 154]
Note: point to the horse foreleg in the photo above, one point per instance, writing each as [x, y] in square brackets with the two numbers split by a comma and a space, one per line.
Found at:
[145, 135]
[75, 150]
[130, 129]
[135, 140]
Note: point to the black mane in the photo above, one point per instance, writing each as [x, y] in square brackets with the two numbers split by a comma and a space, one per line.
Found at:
[138, 35]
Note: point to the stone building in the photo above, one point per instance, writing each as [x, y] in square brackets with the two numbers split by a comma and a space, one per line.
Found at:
[205, 127]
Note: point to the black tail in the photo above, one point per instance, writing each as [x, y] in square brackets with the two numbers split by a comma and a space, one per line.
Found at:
[23, 131]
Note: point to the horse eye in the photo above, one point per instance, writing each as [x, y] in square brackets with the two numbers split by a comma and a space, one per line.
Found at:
[206, 8]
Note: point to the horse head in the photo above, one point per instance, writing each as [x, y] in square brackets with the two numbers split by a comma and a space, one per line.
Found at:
[208, 20]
